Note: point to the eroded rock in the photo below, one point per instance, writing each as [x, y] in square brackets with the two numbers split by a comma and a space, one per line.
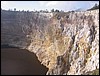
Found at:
[66, 46]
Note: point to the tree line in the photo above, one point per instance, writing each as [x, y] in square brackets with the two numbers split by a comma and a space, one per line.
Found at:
[44, 11]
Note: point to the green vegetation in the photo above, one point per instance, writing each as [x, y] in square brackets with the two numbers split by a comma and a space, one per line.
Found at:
[94, 72]
[94, 7]
[56, 10]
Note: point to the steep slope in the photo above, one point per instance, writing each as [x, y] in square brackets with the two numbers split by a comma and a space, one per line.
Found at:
[66, 43]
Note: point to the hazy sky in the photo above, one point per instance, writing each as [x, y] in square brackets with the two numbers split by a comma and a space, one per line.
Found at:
[43, 5]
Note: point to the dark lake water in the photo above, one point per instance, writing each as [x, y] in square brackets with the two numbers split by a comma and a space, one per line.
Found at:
[16, 61]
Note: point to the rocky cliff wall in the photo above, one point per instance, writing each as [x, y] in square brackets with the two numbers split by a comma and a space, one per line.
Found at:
[66, 43]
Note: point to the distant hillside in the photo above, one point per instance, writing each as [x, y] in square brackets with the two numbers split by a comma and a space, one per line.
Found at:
[94, 7]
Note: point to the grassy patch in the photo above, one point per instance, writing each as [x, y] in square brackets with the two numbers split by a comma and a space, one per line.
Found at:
[94, 72]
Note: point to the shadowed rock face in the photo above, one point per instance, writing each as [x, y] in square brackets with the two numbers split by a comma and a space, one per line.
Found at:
[66, 43]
